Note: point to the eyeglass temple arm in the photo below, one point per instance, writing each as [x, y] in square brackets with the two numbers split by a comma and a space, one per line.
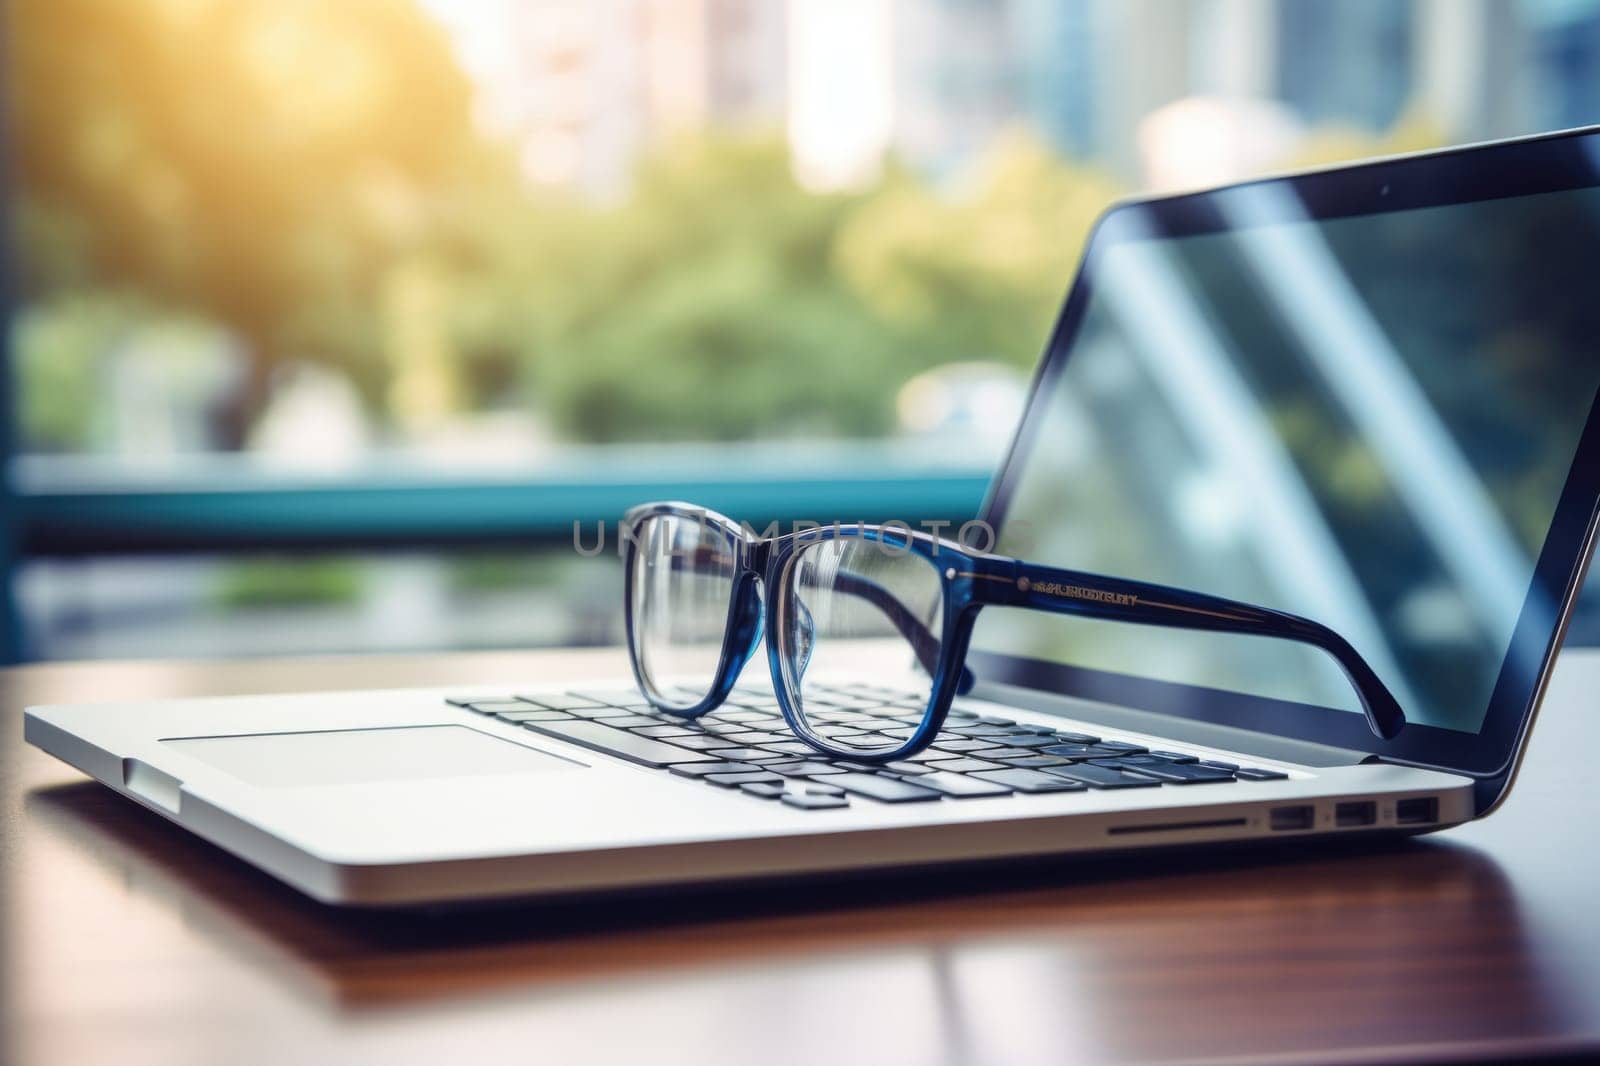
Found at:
[1011, 582]
[924, 643]
[922, 640]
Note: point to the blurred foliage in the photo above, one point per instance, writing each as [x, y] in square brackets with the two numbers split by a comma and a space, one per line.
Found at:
[289, 582]
[308, 176]
[478, 572]
[259, 162]
[58, 347]
[1414, 132]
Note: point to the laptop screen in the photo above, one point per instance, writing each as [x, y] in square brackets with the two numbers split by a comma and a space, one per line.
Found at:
[1367, 420]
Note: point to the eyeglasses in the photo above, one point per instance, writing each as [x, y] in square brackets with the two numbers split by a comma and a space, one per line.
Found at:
[884, 611]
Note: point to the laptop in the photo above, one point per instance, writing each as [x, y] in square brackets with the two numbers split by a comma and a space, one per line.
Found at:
[1364, 395]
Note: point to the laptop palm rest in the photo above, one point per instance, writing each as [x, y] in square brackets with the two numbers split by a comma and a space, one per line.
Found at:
[362, 756]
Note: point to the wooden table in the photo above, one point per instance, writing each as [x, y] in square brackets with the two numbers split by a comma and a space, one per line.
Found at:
[127, 941]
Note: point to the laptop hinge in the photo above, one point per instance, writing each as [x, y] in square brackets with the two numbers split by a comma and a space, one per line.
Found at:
[1207, 734]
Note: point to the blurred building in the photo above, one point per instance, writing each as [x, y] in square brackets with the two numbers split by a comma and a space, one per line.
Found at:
[586, 87]
[1348, 64]
[1564, 38]
[952, 76]
[1086, 73]
[712, 63]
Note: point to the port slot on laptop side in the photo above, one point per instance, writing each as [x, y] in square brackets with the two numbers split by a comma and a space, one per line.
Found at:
[1300, 816]
[1355, 813]
[1420, 810]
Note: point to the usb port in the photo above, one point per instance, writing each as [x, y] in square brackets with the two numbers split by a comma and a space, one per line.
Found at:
[1355, 813]
[1298, 817]
[1417, 811]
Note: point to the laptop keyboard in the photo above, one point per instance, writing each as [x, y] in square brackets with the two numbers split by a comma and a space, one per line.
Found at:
[746, 746]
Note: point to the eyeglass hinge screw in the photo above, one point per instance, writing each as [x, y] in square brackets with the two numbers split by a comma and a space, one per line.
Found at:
[1023, 584]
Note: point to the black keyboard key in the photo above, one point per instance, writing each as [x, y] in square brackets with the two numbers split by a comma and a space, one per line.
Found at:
[492, 706]
[618, 742]
[738, 715]
[1133, 760]
[530, 714]
[1031, 760]
[757, 737]
[884, 789]
[716, 766]
[808, 802]
[698, 741]
[989, 719]
[1029, 740]
[1102, 777]
[912, 769]
[994, 754]
[764, 789]
[745, 777]
[1183, 774]
[819, 788]
[561, 701]
[713, 724]
[1218, 764]
[803, 768]
[1080, 751]
[959, 786]
[855, 706]
[840, 717]
[1076, 738]
[1174, 756]
[963, 765]
[660, 732]
[1124, 746]
[965, 744]
[617, 697]
[613, 713]
[977, 729]
[763, 720]
[1253, 773]
[1029, 780]
[747, 754]
[792, 747]
[631, 721]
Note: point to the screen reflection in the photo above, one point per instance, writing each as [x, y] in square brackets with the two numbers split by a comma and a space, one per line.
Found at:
[1365, 420]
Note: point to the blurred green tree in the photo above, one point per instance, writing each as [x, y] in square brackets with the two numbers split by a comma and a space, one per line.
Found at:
[724, 301]
[308, 176]
[260, 162]
[980, 271]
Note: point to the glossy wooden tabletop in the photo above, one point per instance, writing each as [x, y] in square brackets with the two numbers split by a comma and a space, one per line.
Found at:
[127, 941]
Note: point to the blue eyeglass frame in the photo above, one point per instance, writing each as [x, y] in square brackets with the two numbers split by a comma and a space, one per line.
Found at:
[971, 580]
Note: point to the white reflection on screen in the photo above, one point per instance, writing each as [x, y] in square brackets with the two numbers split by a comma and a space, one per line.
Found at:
[1366, 421]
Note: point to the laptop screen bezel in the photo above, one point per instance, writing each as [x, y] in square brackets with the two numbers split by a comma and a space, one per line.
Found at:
[1548, 163]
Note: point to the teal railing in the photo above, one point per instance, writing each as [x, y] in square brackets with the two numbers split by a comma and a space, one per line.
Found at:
[77, 507]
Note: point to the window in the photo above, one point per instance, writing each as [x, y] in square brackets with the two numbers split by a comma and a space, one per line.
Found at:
[515, 246]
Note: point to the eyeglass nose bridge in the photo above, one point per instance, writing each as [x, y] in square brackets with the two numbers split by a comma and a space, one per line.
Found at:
[749, 624]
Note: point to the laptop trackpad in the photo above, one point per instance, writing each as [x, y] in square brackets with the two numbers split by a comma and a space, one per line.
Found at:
[357, 756]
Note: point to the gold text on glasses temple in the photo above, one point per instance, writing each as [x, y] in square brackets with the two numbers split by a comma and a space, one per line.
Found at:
[1052, 588]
